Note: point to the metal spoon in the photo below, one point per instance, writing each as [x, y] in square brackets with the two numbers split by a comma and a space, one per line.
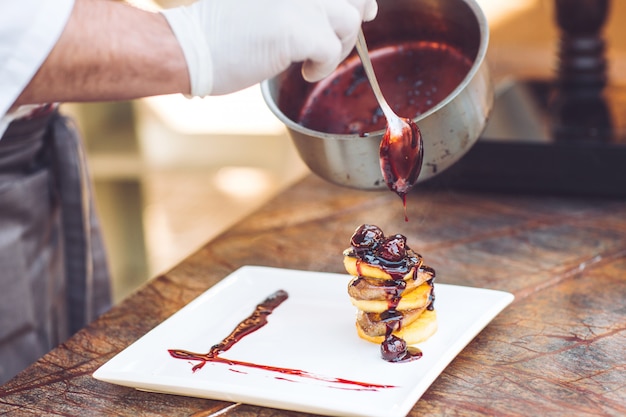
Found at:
[401, 150]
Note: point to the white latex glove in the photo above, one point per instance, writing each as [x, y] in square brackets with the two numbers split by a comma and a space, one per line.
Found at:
[232, 44]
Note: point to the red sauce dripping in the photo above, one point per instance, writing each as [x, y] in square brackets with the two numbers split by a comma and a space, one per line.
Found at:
[401, 160]
[252, 323]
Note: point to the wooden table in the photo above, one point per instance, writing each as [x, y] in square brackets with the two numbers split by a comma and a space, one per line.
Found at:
[558, 349]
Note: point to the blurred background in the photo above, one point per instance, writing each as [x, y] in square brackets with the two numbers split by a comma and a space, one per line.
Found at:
[172, 173]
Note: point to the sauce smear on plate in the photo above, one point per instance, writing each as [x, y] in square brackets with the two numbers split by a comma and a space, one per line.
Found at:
[252, 323]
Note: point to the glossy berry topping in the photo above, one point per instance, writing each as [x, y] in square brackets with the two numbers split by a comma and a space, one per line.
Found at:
[366, 236]
[393, 349]
[392, 249]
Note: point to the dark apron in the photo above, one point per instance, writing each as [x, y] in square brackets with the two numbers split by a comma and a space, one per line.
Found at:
[53, 273]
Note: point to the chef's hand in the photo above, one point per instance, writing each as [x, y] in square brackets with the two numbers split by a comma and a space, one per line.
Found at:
[232, 44]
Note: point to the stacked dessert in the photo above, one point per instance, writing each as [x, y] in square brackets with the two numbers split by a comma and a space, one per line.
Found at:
[393, 291]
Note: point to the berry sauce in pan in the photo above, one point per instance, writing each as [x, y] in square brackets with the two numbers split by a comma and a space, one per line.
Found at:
[413, 76]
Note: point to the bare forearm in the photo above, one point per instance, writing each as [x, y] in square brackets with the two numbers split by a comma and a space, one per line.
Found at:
[110, 51]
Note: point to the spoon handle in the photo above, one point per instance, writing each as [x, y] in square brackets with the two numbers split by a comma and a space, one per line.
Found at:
[361, 48]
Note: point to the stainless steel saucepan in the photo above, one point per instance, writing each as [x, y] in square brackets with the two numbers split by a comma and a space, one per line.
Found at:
[449, 128]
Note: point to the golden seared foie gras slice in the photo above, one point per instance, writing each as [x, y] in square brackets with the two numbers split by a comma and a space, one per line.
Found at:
[375, 324]
[356, 267]
[417, 331]
[366, 288]
[411, 300]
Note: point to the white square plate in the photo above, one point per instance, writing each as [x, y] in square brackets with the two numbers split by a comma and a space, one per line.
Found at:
[312, 332]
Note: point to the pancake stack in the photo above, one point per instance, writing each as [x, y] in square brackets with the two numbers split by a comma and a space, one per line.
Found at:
[391, 287]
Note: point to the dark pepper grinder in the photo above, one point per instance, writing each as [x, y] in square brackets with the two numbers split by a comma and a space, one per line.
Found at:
[581, 49]
[578, 107]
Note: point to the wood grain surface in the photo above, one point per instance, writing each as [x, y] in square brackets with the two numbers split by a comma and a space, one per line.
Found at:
[557, 350]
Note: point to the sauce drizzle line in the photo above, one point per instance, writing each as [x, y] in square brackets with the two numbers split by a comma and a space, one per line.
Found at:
[249, 325]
